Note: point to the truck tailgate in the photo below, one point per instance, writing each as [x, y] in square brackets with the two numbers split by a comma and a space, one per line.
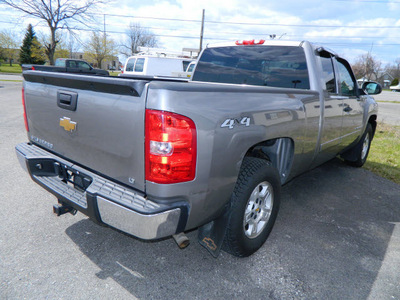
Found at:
[94, 122]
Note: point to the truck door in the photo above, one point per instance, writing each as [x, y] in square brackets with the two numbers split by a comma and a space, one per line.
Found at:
[352, 103]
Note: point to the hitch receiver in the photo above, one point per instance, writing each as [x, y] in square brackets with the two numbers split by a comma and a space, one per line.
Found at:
[62, 208]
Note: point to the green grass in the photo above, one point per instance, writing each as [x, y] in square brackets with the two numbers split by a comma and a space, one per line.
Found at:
[11, 80]
[384, 156]
[6, 68]
[397, 102]
[113, 73]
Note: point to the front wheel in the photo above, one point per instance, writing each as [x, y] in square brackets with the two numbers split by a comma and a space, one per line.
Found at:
[254, 206]
[361, 149]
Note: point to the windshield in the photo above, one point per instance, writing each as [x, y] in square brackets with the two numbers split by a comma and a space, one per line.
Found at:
[276, 66]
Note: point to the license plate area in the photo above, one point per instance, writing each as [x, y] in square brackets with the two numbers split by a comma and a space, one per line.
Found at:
[72, 177]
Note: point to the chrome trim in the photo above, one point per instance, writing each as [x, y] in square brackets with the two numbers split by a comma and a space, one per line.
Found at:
[22, 160]
[142, 226]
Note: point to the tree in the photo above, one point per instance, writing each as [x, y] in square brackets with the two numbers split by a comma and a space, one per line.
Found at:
[8, 46]
[56, 14]
[366, 66]
[61, 48]
[31, 51]
[137, 36]
[61, 51]
[73, 47]
[394, 69]
[99, 47]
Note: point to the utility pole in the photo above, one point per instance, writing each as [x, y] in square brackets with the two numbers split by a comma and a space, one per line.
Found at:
[104, 23]
[202, 32]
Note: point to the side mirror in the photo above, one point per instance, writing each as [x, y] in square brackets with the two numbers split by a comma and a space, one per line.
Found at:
[371, 88]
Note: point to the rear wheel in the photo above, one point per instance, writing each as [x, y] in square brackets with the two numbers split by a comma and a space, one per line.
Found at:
[254, 207]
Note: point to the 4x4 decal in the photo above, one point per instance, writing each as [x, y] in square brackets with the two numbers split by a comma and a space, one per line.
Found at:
[231, 123]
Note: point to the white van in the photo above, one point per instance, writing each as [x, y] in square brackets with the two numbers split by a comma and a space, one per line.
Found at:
[155, 66]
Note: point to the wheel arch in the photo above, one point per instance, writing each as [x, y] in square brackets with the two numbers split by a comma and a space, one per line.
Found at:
[372, 120]
[279, 151]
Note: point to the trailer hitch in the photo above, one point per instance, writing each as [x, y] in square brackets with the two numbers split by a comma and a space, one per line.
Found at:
[62, 208]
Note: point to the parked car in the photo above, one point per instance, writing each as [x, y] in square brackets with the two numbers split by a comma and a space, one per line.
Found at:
[395, 88]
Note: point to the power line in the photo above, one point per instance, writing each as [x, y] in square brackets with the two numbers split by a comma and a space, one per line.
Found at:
[253, 24]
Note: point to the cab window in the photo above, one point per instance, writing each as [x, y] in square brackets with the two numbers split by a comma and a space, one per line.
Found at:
[275, 66]
[83, 65]
[139, 66]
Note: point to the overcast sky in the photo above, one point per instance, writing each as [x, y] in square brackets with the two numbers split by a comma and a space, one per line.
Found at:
[349, 27]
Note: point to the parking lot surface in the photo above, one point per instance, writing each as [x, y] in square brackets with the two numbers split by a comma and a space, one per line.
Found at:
[337, 236]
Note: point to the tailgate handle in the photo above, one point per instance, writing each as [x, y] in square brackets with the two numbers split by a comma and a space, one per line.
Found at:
[67, 100]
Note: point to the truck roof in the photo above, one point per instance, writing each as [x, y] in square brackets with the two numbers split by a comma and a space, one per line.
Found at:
[261, 42]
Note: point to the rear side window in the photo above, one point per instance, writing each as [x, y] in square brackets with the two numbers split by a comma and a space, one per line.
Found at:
[328, 72]
[139, 65]
[71, 64]
[276, 66]
[130, 64]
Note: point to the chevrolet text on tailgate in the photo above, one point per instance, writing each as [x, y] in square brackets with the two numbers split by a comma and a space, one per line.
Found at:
[155, 157]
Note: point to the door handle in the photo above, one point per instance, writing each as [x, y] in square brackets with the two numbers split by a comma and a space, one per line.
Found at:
[67, 100]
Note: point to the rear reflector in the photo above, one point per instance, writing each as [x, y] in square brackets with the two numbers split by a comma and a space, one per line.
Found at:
[171, 144]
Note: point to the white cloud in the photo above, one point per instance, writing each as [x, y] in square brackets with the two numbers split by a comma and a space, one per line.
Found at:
[284, 18]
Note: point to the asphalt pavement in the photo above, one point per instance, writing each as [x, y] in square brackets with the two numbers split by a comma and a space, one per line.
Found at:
[337, 236]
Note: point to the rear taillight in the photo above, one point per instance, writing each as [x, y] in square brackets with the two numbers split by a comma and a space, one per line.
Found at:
[171, 144]
[23, 104]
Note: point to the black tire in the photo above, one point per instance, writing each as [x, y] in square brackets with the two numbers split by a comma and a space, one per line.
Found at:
[361, 149]
[245, 236]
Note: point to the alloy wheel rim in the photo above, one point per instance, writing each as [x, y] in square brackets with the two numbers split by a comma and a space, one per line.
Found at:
[258, 210]
[365, 147]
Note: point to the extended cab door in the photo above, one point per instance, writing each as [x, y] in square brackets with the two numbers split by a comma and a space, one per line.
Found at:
[352, 103]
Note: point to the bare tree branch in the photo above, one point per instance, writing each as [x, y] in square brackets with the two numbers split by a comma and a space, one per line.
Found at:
[56, 14]
[137, 36]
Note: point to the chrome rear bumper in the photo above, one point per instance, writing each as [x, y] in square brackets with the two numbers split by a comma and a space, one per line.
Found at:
[105, 201]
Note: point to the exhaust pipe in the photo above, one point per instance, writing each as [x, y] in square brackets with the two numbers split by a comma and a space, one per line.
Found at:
[182, 240]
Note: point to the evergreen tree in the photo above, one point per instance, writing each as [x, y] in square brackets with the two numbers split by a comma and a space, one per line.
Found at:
[31, 52]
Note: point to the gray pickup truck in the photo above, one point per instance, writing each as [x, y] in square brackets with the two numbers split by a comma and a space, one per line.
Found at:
[155, 157]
